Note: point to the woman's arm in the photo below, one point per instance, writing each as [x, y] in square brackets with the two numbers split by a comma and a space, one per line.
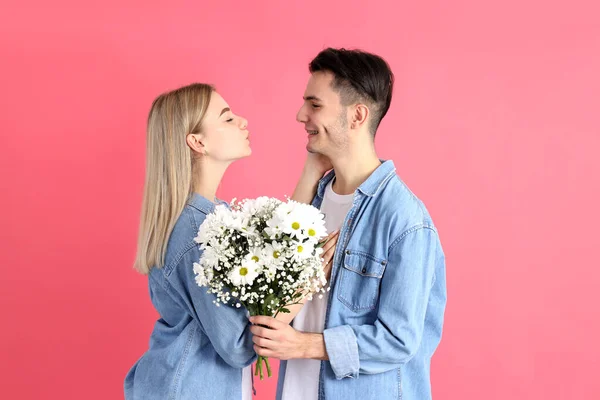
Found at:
[315, 167]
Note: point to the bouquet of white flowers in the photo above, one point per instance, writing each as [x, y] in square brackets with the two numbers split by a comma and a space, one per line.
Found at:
[263, 254]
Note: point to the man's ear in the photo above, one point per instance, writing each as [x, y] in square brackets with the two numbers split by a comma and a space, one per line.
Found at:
[360, 115]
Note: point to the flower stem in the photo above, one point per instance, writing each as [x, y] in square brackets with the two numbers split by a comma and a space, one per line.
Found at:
[259, 367]
[259, 371]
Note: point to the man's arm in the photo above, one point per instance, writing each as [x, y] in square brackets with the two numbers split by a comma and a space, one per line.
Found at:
[391, 340]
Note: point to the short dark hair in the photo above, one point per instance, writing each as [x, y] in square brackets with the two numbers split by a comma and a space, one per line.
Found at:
[358, 76]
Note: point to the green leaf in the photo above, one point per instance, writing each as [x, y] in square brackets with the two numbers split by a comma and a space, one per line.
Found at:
[284, 310]
[253, 310]
[272, 298]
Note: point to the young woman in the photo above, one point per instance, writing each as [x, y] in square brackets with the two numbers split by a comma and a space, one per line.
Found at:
[197, 350]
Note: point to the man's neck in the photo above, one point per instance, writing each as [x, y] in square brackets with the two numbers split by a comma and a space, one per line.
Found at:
[351, 170]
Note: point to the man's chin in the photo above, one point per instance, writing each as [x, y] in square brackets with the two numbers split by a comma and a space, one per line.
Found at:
[311, 148]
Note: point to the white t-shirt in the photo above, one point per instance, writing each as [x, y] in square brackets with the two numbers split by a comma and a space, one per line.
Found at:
[247, 388]
[302, 375]
[247, 383]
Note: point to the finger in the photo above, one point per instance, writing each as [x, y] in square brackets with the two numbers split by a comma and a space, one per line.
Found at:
[262, 342]
[261, 351]
[334, 233]
[330, 244]
[267, 321]
[328, 255]
[330, 236]
[262, 332]
[329, 252]
[327, 263]
[327, 270]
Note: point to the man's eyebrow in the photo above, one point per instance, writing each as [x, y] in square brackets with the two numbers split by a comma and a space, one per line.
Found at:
[309, 98]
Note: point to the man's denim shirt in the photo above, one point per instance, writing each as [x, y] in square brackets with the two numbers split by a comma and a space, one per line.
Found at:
[388, 294]
[196, 349]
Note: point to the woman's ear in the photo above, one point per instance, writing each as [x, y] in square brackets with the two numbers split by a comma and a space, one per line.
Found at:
[194, 141]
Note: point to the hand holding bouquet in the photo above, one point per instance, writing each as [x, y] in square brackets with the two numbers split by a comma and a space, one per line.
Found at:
[263, 254]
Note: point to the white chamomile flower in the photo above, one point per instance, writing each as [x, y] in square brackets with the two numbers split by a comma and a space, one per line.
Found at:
[294, 225]
[274, 226]
[303, 251]
[316, 230]
[275, 252]
[257, 255]
[245, 273]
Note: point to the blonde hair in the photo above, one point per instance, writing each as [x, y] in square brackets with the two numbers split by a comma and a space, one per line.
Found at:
[169, 160]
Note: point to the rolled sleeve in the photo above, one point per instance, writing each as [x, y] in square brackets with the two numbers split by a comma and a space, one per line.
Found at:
[342, 350]
[395, 336]
[228, 328]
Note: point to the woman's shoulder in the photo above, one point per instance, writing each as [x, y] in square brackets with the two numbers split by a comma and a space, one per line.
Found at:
[182, 237]
[181, 242]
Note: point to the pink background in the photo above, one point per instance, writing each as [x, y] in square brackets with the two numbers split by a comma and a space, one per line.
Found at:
[495, 124]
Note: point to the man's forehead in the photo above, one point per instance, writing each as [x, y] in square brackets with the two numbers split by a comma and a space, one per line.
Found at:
[319, 85]
[321, 78]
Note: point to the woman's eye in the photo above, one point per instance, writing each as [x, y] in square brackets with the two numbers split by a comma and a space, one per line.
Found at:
[315, 105]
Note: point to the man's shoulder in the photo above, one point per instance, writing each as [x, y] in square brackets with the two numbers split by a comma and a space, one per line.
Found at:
[401, 206]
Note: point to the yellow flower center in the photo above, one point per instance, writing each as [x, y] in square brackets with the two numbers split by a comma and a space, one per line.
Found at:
[276, 254]
[255, 258]
[311, 232]
[295, 225]
[243, 271]
[300, 249]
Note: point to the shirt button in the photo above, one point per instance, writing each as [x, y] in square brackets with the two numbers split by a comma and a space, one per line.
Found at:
[348, 252]
[383, 262]
[364, 270]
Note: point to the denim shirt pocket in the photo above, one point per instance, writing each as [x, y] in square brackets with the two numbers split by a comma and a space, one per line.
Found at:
[360, 279]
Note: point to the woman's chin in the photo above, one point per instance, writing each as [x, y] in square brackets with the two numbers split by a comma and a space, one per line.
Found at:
[242, 154]
[245, 154]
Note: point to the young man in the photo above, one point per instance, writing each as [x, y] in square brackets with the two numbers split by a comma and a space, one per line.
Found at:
[374, 337]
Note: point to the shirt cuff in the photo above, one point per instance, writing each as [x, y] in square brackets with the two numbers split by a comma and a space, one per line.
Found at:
[342, 351]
